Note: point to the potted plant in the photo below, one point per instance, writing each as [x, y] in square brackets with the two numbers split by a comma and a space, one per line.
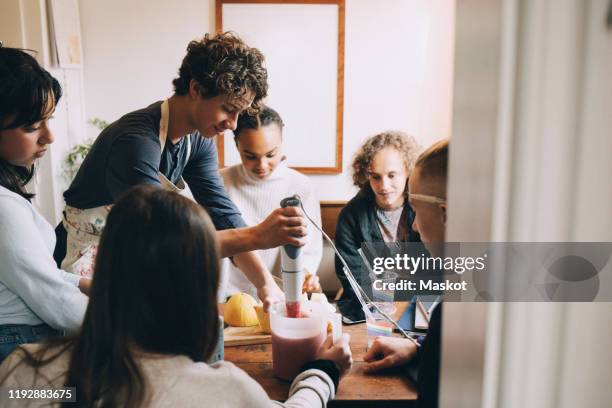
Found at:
[77, 154]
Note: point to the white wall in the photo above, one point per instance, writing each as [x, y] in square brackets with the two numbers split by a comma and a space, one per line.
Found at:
[132, 50]
[398, 65]
[24, 24]
[10, 24]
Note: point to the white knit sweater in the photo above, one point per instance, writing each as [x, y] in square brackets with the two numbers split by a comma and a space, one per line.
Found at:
[176, 381]
[256, 199]
[32, 289]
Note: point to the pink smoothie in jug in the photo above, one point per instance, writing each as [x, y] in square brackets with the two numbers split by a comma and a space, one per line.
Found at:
[288, 354]
[295, 341]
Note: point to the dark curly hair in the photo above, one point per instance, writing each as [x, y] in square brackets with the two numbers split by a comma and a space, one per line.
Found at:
[400, 141]
[27, 94]
[224, 64]
[266, 117]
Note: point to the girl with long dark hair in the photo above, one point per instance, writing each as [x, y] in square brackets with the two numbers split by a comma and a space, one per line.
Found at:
[152, 321]
[37, 299]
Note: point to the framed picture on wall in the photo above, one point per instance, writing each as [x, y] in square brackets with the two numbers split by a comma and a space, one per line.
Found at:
[303, 43]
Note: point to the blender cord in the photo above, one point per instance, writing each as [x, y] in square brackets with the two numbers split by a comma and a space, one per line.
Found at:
[347, 271]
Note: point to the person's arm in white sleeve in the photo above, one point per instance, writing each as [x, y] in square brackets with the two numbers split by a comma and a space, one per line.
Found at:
[310, 389]
[71, 278]
[28, 270]
[317, 382]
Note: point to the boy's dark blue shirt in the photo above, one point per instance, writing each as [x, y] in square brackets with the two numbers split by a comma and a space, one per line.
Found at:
[127, 153]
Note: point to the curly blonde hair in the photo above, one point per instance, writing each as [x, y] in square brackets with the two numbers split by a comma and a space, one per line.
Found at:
[400, 141]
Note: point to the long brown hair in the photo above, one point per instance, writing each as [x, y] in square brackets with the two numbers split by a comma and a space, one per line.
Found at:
[154, 291]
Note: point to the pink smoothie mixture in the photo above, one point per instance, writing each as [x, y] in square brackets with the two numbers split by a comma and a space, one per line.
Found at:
[288, 355]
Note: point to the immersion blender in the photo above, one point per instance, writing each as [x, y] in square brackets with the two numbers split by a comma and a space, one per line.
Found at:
[291, 267]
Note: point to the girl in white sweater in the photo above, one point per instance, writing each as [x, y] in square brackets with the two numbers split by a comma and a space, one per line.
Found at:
[257, 186]
[152, 322]
[37, 299]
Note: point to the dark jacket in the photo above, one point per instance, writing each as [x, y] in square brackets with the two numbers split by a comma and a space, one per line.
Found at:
[357, 224]
[428, 359]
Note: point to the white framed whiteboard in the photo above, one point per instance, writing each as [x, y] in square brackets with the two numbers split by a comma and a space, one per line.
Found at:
[303, 43]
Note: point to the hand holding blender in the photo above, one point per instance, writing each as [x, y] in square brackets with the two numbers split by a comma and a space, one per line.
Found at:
[291, 267]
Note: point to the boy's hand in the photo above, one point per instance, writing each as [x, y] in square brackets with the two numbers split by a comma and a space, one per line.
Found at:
[386, 352]
[283, 226]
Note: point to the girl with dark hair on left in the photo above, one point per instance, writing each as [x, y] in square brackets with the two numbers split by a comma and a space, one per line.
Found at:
[38, 300]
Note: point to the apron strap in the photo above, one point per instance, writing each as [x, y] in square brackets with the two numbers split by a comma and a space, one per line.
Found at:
[163, 128]
[188, 146]
[163, 124]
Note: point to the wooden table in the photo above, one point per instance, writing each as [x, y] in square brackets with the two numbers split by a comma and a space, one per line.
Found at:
[357, 389]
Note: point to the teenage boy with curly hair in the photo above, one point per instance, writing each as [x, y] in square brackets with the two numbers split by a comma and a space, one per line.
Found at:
[170, 143]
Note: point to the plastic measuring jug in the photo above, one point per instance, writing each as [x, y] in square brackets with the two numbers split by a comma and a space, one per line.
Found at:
[295, 341]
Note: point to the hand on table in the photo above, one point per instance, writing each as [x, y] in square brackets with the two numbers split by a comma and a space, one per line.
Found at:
[338, 352]
[386, 352]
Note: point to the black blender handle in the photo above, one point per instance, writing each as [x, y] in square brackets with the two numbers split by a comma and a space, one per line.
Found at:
[293, 201]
